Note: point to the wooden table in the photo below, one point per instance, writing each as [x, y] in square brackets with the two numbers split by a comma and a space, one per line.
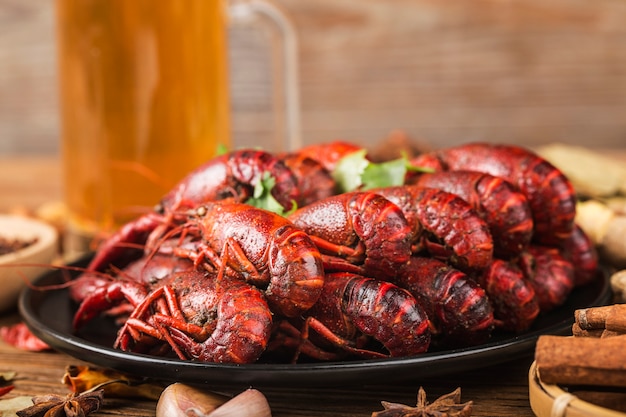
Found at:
[500, 390]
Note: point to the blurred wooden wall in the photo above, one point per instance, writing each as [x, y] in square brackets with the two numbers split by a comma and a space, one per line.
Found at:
[525, 71]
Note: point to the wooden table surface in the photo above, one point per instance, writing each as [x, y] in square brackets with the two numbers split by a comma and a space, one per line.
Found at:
[500, 390]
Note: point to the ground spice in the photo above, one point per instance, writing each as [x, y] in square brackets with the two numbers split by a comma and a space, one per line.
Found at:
[11, 245]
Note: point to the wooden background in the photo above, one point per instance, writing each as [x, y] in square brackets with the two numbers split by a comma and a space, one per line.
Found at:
[525, 71]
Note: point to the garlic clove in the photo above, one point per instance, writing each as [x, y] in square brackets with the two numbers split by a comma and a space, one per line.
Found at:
[618, 286]
[250, 403]
[180, 400]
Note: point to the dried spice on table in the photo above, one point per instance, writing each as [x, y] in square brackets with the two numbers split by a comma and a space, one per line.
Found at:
[448, 405]
[60, 406]
[604, 321]
[6, 389]
[115, 384]
[591, 363]
[19, 335]
[594, 356]
[89, 386]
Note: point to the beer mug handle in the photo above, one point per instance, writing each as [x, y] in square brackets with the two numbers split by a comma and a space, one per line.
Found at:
[242, 11]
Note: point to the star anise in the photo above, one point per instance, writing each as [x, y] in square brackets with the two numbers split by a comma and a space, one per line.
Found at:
[448, 405]
[72, 405]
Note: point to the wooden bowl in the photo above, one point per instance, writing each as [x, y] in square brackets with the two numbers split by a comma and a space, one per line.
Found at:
[26, 264]
[547, 400]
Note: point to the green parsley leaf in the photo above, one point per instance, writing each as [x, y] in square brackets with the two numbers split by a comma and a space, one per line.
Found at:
[349, 170]
[262, 195]
[384, 174]
[356, 172]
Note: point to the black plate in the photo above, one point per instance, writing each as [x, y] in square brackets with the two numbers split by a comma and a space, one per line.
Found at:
[49, 315]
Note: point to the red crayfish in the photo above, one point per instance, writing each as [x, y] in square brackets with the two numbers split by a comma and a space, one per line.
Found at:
[329, 154]
[360, 232]
[232, 176]
[201, 318]
[503, 207]
[352, 312]
[444, 225]
[458, 308]
[259, 246]
[114, 293]
[486, 242]
[263, 248]
[513, 299]
[581, 252]
[550, 194]
[314, 181]
[549, 273]
[186, 310]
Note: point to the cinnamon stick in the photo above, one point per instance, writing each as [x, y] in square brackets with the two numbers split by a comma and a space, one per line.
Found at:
[612, 317]
[582, 360]
[577, 331]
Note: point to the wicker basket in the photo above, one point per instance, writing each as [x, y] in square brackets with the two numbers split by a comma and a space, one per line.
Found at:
[548, 400]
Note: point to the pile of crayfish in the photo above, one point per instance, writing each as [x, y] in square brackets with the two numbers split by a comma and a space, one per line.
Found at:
[257, 254]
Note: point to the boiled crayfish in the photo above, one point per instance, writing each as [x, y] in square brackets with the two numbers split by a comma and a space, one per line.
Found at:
[480, 238]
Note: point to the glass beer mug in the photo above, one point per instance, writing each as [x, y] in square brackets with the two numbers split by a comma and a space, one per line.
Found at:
[145, 99]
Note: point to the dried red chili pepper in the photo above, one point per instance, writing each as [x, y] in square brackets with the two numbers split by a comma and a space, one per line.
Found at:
[19, 336]
[6, 389]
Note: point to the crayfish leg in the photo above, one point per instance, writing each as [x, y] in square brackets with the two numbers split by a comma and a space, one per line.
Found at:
[336, 340]
[356, 255]
[104, 298]
[127, 244]
[234, 256]
[169, 314]
[135, 321]
[337, 264]
[287, 336]
[139, 331]
[231, 255]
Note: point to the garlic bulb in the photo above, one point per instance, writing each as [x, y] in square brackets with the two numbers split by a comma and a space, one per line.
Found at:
[180, 400]
[250, 403]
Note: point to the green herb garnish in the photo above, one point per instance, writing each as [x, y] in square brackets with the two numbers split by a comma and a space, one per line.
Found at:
[262, 196]
[355, 172]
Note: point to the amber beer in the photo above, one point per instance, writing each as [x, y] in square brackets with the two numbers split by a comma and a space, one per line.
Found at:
[144, 97]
